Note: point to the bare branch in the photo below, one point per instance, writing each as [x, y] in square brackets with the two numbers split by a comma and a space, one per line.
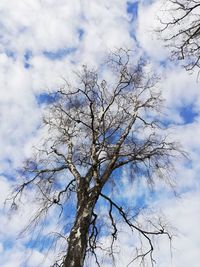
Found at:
[182, 31]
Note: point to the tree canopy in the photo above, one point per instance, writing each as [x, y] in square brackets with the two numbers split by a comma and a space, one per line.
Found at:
[97, 131]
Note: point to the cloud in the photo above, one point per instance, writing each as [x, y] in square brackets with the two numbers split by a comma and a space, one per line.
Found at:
[184, 215]
[43, 41]
[145, 31]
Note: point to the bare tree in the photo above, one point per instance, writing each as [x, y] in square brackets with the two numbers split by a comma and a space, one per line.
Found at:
[181, 30]
[95, 130]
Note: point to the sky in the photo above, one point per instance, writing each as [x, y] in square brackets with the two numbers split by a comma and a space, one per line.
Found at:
[42, 41]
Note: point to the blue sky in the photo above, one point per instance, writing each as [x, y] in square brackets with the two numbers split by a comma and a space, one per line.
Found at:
[42, 42]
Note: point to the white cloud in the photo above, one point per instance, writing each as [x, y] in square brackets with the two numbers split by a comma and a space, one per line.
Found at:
[184, 215]
[38, 26]
[147, 23]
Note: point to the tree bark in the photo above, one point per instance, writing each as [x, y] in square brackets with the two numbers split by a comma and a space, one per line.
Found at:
[78, 237]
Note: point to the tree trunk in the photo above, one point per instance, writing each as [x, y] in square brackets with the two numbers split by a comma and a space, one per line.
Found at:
[78, 237]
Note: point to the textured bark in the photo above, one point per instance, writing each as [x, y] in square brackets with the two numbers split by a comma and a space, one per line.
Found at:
[78, 237]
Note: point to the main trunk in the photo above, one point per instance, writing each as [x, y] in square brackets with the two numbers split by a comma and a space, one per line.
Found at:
[79, 234]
